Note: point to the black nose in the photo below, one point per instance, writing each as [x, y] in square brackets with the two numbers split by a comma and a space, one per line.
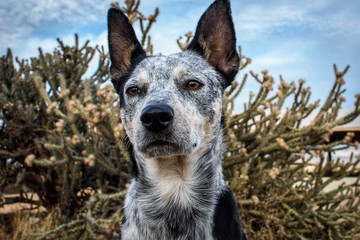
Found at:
[157, 117]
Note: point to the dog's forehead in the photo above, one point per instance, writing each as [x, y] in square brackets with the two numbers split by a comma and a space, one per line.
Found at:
[174, 65]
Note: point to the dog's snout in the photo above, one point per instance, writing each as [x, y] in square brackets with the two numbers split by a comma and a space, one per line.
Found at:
[157, 117]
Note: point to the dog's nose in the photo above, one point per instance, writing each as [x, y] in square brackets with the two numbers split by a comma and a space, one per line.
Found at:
[157, 117]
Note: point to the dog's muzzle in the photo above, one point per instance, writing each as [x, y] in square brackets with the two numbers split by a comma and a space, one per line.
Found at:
[161, 134]
[156, 118]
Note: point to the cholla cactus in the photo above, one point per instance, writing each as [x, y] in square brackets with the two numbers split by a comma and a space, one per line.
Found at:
[279, 168]
[61, 138]
[61, 131]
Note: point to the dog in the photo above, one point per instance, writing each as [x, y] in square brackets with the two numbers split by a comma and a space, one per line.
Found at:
[171, 110]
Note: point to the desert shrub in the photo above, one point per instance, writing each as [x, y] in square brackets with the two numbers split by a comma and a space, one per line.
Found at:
[61, 140]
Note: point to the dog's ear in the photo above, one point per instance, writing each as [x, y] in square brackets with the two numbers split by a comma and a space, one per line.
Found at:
[124, 48]
[215, 40]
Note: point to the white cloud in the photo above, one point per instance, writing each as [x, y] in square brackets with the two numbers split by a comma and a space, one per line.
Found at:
[259, 21]
[164, 45]
[289, 58]
[38, 11]
[32, 45]
[100, 40]
[20, 19]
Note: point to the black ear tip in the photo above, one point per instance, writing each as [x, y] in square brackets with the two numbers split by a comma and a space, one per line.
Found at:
[220, 6]
[226, 2]
[114, 13]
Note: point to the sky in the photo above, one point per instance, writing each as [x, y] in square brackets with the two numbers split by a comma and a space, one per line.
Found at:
[297, 39]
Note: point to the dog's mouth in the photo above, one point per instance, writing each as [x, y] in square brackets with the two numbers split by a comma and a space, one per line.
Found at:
[161, 148]
[163, 145]
[160, 143]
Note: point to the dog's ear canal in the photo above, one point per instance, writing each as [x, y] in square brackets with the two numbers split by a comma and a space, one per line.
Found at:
[124, 48]
[215, 40]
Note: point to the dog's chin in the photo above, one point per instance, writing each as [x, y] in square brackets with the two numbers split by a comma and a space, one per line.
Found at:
[163, 149]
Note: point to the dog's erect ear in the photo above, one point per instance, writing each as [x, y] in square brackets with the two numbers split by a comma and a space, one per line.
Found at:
[124, 48]
[215, 40]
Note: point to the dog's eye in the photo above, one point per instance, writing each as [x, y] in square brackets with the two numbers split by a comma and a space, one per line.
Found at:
[194, 85]
[133, 91]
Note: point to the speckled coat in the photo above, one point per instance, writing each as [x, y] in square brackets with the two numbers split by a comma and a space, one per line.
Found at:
[171, 110]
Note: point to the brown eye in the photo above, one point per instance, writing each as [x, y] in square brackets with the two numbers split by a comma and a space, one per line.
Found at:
[133, 91]
[194, 85]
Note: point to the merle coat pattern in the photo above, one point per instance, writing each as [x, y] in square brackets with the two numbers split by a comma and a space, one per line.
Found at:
[171, 109]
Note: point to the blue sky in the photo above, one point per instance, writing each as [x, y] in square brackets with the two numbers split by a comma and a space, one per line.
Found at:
[298, 39]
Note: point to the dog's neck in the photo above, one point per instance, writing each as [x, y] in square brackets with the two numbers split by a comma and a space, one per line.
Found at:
[181, 188]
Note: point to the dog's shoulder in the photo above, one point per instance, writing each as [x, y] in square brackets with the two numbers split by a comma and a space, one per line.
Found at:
[226, 219]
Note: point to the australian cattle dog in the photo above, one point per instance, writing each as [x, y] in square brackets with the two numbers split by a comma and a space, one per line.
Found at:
[171, 110]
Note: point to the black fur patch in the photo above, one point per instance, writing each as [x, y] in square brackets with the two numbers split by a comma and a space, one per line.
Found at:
[226, 219]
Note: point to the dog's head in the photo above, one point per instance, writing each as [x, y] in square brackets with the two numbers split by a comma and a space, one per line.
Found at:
[172, 105]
